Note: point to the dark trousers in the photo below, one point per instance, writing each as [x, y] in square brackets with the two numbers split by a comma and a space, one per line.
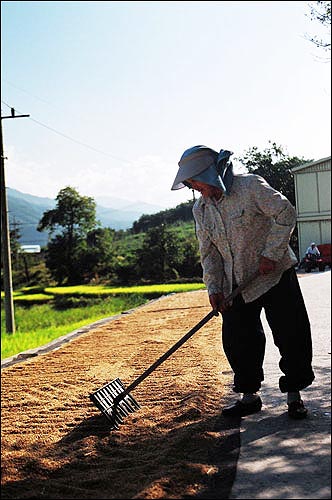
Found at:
[244, 339]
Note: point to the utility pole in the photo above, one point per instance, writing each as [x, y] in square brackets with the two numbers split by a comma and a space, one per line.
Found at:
[5, 239]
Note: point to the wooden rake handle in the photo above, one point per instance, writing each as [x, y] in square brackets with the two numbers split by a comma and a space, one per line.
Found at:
[241, 287]
[187, 336]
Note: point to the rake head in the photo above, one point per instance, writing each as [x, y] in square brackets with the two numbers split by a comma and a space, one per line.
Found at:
[114, 402]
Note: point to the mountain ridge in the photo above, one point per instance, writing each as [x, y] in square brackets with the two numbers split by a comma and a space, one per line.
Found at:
[25, 211]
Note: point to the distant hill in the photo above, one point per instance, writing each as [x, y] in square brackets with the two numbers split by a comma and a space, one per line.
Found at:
[26, 210]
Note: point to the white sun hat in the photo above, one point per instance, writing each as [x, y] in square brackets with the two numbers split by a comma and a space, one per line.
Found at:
[193, 161]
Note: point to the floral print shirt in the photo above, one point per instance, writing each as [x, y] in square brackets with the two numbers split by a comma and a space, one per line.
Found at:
[234, 232]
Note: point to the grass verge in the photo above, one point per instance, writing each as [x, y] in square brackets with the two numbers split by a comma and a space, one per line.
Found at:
[42, 323]
[44, 314]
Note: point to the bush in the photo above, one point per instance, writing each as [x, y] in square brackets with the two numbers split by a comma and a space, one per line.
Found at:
[70, 302]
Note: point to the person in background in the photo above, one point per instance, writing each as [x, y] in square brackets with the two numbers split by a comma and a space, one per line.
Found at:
[312, 250]
[243, 226]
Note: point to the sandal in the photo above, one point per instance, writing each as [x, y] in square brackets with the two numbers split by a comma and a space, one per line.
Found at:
[297, 410]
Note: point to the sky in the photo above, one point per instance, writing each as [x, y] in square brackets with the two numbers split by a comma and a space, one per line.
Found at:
[117, 91]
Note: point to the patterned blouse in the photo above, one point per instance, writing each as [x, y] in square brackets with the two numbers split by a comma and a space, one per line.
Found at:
[234, 232]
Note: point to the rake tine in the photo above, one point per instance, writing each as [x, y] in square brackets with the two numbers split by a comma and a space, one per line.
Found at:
[114, 401]
[118, 410]
[105, 402]
[110, 402]
[109, 416]
[106, 396]
[117, 419]
[116, 395]
[133, 402]
[110, 393]
[102, 402]
[119, 391]
[116, 414]
[127, 398]
[114, 423]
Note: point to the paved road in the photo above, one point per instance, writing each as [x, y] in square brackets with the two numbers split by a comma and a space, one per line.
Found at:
[279, 457]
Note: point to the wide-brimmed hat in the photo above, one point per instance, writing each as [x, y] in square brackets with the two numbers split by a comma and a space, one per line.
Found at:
[193, 161]
[206, 165]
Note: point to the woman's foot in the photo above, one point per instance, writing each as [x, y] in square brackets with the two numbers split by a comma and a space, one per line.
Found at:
[297, 410]
[243, 408]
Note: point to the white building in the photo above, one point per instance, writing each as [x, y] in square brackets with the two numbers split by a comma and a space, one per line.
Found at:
[313, 202]
[30, 248]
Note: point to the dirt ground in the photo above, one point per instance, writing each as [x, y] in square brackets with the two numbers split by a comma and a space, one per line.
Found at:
[57, 445]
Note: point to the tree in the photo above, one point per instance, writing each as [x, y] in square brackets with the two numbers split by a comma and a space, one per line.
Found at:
[57, 263]
[72, 219]
[160, 254]
[74, 214]
[275, 167]
[191, 265]
[97, 258]
[15, 246]
[321, 12]
[14, 235]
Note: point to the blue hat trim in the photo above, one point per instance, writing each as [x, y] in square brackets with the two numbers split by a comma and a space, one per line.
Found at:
[219, 174]
[225, 169]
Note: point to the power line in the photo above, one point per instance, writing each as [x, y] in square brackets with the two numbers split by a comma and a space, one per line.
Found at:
[72, 139]
[26, 92]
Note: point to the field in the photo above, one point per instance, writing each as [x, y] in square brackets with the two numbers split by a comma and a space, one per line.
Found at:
[56, 444]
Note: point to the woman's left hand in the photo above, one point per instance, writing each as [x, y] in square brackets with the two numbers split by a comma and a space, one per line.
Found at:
[266, 265]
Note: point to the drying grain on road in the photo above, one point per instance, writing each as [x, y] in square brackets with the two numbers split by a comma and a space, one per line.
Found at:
[56, 444]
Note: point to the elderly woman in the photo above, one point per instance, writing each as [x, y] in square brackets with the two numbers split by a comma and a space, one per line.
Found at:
[243, 225]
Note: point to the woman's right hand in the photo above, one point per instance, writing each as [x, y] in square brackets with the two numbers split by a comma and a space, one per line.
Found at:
[217, 301]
